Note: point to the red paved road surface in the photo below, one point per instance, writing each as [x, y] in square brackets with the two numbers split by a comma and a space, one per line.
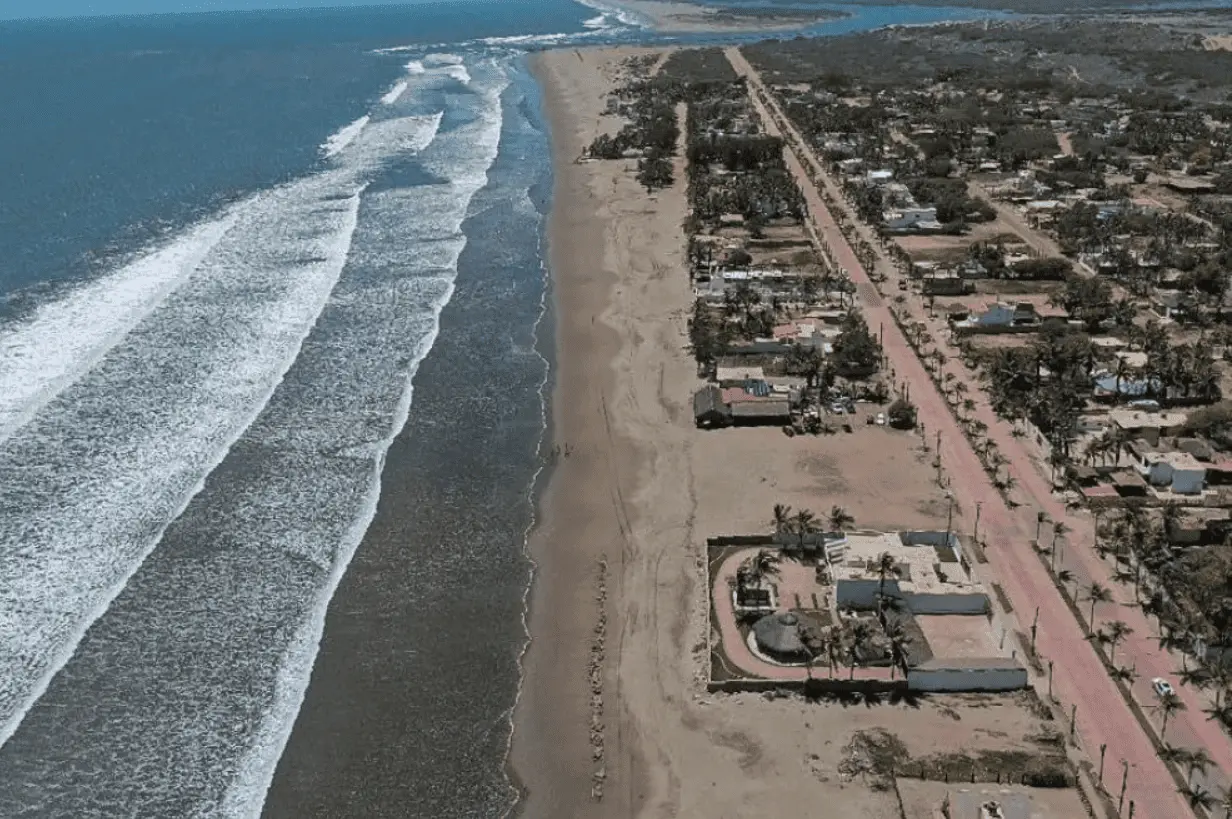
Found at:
[1079, 675]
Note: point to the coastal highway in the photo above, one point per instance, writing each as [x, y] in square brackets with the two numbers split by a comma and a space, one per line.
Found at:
[1079, 676]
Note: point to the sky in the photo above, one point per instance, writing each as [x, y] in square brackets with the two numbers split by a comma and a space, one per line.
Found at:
[17, 9]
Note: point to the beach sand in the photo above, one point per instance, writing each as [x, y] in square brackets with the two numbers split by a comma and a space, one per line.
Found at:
[683, 17]
[640, 488]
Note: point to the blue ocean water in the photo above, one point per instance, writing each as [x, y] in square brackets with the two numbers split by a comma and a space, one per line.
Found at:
[271, 352]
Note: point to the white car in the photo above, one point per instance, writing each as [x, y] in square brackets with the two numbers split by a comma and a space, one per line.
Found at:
[1162, 687]
[881, 419]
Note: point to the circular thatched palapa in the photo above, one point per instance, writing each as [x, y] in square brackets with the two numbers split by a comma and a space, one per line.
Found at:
[779, 635]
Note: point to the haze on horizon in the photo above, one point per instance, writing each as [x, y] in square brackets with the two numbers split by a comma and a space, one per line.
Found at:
[33, 9]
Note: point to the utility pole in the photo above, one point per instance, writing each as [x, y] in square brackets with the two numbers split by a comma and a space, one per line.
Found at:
[1034, 626]
[1102, 748]
[1124, 782]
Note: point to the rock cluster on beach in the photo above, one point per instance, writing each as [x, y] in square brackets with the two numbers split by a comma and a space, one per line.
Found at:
[594, 673]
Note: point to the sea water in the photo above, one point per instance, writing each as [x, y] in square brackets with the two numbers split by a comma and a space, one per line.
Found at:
[272, 354]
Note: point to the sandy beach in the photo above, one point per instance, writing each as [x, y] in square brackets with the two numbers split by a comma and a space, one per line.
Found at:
[635, 492]
[681, 17]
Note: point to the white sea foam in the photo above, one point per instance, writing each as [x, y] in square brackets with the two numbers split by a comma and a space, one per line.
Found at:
[344, 136]
[414, 67]
[61, 340]
[120, 454]
[596, 22]
[394, 93]
[190, 367]
[624, 15]
[458, 72]
[464, 158]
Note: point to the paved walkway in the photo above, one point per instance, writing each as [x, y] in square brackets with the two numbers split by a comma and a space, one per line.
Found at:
[1079, 676]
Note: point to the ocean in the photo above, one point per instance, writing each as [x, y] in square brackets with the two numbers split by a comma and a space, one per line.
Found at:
[275, 346]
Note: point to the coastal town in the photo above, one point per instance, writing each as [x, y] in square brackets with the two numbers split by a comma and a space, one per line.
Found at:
[935, 499]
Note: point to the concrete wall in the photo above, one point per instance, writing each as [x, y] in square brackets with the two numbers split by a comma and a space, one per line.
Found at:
[966, 679]
[862, 594]
[974, 603]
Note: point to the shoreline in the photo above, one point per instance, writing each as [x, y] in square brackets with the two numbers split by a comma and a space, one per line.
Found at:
[683, 17]
[575, 545]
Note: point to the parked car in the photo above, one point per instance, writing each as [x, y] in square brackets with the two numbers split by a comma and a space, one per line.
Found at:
[1162, 687]
[881, 419]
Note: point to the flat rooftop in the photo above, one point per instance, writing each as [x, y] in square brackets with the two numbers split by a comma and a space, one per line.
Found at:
[921, 569]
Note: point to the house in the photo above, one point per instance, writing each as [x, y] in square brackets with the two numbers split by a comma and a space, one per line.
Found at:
[946, 284]
[1199, 525]
[929, 576]
[1169, 469]
[1000, 317]
[1146, 426]
[709, 411]
[917, 218]
[880, 176]
[751, 404]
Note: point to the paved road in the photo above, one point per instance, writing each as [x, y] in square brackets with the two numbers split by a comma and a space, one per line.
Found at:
[1079, 676]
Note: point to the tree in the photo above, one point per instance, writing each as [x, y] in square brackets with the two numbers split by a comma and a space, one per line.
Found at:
[1199, 798]
[1226, 804]
[1169, 705]
[766, 563]
[1065, 577]
[803, 523]
[859, 636]
[856, 352]
[1197, 761]
[902, 414]
[1087, 299]
[1096, 593]
[782, 518]
[900, 641]
[1124, 674]
[840, 519]
[1114, 635]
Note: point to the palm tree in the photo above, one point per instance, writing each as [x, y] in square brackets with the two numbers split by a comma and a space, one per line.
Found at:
[1169, 704]
[1116, 633]
[899, 641]
[1096, 594]
[1065, 577]
[782, 518]
[1172, 755]
[803, 523]
[1198, 797]
[840, 519]
[859, 636]
[1220, 713]
[1197, 761]
[1124, 674]
[1059, 529]
[766, 563]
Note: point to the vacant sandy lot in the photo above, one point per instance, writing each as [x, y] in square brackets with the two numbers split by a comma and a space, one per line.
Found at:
[880, 475]
[961, 636]
[921, 800]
